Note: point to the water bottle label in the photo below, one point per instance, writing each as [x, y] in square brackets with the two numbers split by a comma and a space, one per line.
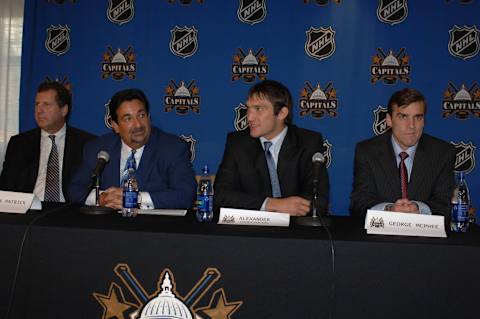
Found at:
[130, 199]
[460, 213]
[205, 203]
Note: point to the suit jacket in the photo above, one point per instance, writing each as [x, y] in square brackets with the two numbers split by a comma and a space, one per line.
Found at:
[165, 170]
[20, 168]
[243, 181]
[376, 177]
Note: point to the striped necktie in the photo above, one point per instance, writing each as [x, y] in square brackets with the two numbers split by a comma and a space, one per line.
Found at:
[52, 184]
[129, 163]
[403, 175]
[272, 170]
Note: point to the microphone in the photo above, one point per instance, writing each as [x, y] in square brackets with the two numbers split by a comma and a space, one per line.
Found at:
[317, 161]
[102, 159]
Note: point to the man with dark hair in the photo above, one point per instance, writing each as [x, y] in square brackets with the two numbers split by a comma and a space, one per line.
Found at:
[404, 170]
[163, 169]
[269, 165]
[43, 160]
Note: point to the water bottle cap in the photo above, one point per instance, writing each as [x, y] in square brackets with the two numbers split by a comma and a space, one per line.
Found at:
[205, 169]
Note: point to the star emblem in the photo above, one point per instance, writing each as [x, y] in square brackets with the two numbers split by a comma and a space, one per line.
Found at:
[219, 307]
[114, 304]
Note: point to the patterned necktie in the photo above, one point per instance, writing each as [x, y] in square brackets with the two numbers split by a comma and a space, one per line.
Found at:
[129, 163]
[52, 184]
[403, 174]
[272, 170]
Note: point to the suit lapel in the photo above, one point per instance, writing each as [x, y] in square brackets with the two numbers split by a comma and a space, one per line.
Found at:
[388, 163]
[36, 157]
[148, 156]
[418, 168]
[285, 157]
[261, 164]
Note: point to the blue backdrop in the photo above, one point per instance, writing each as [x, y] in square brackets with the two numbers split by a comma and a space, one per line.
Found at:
[196, 60]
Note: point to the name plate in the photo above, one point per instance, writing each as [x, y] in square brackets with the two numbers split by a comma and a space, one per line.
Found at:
[404, 224]
[17, 203]
[231, 216]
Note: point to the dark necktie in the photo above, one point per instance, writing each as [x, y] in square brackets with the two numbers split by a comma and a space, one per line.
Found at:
[403, 174]
[52, 184]
[129, 163]
[272, 170]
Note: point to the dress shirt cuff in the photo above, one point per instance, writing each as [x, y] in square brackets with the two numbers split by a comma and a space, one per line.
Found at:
[264, 205]
[146, 201]
[423, 208]
[380, 206]
[91, 198]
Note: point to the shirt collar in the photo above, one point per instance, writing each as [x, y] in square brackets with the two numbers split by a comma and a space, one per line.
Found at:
[397, 149]
[277, 140]
[59, 134]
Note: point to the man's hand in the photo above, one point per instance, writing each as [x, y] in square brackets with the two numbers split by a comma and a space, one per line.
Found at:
[112, 197]
[294, 205]
[404, 206]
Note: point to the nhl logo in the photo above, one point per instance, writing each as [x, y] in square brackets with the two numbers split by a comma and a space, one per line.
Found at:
[464, 157]
[58, 39]
[191, 143]
[318, 102]
[390, 67]
[380, 121]
[182, 97]
[464, 42]
[461, 102]
[107, 119]
[320, 43]
[327, 152]
[184, 41]
[120, 11]
[241, 122]
[252, 11]
[392, 11]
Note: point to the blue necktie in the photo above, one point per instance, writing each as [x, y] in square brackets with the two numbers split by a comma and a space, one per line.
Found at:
[130, 163]
[272, 170]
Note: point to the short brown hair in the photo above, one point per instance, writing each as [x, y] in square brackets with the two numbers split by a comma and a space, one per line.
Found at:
[405, 97]
[277, 94]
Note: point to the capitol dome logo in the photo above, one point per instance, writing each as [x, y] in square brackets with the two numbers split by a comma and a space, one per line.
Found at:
[461, 102]
[318, 102]
[119, 64]
[249, 66]
[390, 67]
[165, 302]
[182, 97]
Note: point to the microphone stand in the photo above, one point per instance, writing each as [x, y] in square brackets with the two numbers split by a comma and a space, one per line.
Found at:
[316, 219]
[96, 209]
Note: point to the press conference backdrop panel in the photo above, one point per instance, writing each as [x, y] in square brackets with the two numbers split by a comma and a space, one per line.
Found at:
[196, 59]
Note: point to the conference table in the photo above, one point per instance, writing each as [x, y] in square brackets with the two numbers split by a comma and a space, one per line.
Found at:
[79, 266]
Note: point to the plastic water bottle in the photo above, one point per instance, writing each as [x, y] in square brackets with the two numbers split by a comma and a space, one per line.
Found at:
[460, 205]
[205, 197]
[130, 194]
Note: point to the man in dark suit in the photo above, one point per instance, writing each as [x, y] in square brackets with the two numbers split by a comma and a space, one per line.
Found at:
[424, 163]
[269, 165]
[27, 164]
[164, 172]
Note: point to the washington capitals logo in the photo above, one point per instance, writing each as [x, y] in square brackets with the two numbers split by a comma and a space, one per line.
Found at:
[327, 153]
[391, 67]
[464, 157]
[120, 11]
[461, 102]
[183, 42]
[191, 143]
[119, 64]
[249, 66]
[377, 222]
[318, 102]
[165, 301]
[380, 121]
[322, 2]
[464, 42]
[252, 11]
[182, 97]
[58, 39]
[241, 122]
[320, 43]
[392, 11]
